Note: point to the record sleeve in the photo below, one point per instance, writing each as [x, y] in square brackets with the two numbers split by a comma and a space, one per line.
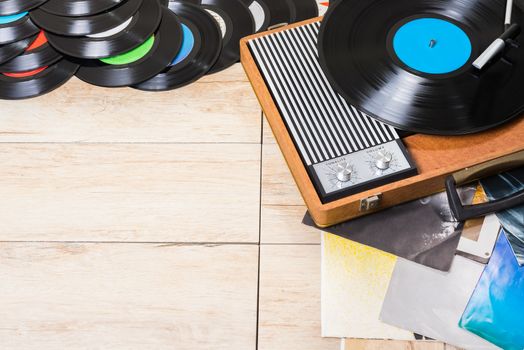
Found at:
[423, 231]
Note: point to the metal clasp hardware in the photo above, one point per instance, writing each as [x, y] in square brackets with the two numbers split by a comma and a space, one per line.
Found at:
[370, 203]
[277, 26]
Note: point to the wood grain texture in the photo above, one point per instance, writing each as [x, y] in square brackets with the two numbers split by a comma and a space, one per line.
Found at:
[121, 165]
[283, 225]
[451, 347]
[138, 192]
[278, 187]
[436, 157]
[267, 134]
[289, 306]
[358, 344]
[219, 108]
[127, 296]
[282, 206]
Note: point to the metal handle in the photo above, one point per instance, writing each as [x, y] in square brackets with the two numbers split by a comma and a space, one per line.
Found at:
[495, 166]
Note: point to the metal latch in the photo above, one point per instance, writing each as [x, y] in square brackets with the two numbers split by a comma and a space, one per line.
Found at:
[370, 203]
[277, 26]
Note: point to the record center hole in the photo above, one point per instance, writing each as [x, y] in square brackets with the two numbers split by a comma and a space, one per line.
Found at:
[432, 43]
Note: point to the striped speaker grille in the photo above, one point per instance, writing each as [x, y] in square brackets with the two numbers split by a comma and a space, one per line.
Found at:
[320, 121]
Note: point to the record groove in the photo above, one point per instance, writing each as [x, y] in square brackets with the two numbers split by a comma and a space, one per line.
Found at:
[11, 7]
[168, 40]
[238, 23]
[355, 48]
[207, 44]
[44, 81]
[78, 8]
[302, 9]
[143, 24]
[10, 51]
[33, 58]
[17, 30]
[80, 26]
[275, 12]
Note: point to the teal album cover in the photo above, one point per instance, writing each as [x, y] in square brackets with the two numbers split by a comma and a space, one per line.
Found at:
[495, 310]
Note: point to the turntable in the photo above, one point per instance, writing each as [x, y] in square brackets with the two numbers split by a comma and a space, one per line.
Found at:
[385, 102]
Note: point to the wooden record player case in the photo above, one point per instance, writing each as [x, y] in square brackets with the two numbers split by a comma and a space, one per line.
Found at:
[468, 158]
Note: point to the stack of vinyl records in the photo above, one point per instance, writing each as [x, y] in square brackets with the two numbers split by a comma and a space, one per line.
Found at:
[151, 45]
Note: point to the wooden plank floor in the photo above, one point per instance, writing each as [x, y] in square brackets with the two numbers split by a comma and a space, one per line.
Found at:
[133, 220]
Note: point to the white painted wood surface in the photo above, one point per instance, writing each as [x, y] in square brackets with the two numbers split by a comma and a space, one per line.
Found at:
[127, 296]
[131, 192]
[219, 108]
[99, 189]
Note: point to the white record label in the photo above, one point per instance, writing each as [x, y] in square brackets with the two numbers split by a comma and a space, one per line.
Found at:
[258, 14]
[220, 20]
[112, 31]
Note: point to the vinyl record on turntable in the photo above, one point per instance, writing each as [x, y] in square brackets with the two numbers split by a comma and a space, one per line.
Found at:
[38, 54]
[10, 51]
[141, 63]
[115, 41]
[21, 85]
[80, 26]
[78, 8]
[268, 13]
[410, 64]
[16, 27]
[302, 9]
[12, 7]
[201, 46]
[235, 21]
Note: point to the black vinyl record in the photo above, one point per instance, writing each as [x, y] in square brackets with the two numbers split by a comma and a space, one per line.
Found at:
[44, 55]
[268, 13]
[78, 8]
[50, 78]
[140, 27]
[236, 22]
[193, 62]
[80, 26]
[12, 7]
[10, 51]
[167, 43]
[17, 30]
[302, 9]
[356, 53]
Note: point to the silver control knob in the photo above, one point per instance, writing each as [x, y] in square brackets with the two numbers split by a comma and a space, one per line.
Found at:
[383, 160]
[344, 172]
